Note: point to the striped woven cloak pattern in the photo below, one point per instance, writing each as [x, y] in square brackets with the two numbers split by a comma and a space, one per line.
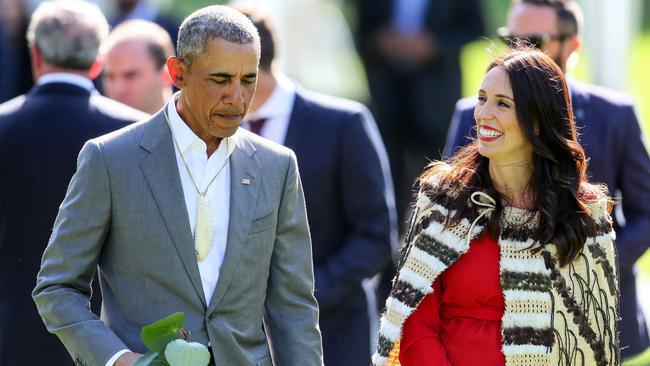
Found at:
[553, 315]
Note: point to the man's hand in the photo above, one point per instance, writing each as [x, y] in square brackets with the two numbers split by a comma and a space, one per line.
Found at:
[414, 49]
[127, 359]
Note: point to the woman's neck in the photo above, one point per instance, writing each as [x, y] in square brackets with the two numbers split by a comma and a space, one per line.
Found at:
[511, 180]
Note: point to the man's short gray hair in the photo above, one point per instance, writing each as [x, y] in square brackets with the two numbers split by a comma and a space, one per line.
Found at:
[215, 21]
[68, 33]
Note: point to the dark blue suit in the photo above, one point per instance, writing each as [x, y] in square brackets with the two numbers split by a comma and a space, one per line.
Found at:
[41, 134]
[613, 141]
[351, 221]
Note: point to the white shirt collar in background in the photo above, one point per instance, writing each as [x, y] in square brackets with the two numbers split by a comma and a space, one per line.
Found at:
[68, 78]
[277, 111]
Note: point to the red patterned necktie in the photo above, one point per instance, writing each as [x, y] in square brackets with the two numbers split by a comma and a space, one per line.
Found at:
[256, 125]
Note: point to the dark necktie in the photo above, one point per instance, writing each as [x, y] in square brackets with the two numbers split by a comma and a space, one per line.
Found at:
[256, 125]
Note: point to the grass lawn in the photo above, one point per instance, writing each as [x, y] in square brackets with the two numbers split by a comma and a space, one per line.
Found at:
[477, 55]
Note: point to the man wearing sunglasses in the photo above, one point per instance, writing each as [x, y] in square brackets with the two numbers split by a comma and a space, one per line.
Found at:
[609, 132]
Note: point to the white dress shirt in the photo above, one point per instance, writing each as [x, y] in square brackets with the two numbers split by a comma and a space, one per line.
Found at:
[203, 169]
[68, 78]
[277, 111]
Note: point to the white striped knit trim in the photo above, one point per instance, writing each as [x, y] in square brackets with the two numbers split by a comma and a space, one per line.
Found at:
[448, 238]
[464, 222]
[467, 224]
[533, 265]
[515, 349]
[378, 360]
[390, 330]
[398, 306]
[519, 295]
[436, 265]
[602, 238]
[422, 200]
[534, 320]
[440, 208]
[515, 243]
[416, 280]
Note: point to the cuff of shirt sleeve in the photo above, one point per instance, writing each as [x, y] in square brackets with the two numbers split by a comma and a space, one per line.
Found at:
[112, 360]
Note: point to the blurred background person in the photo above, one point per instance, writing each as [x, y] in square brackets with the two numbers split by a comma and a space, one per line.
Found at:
[348, 192]
[122, 10]
[41, 134]
[608, 130]
[411, 53]
[15, 70]
[135, 66]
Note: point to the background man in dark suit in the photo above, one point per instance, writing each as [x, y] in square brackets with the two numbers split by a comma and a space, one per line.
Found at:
[610, 134]
[411, 53]
[40, 136]
[348, 192]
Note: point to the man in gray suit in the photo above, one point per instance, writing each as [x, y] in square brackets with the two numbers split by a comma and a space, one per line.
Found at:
[187, 212]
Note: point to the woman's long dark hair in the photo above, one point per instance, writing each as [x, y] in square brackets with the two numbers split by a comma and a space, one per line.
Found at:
[558, 188]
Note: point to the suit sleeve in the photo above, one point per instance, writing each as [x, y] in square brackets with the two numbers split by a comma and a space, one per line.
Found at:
[367, 210]
[69, 264]
[633, 239]
[420, 344]
[291, 318]
[461, 131]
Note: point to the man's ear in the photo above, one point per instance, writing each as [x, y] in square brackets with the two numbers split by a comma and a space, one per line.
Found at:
[575, 43]
[37, 61]
[96, 68]
[166, 78]
[176, 69]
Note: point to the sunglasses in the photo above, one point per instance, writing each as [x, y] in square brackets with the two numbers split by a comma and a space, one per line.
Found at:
[533, 40]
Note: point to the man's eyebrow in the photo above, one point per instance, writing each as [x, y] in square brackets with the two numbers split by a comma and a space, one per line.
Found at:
[228, 75]
[221, 75]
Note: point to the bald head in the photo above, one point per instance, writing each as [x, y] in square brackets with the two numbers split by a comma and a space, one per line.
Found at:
[135, 71]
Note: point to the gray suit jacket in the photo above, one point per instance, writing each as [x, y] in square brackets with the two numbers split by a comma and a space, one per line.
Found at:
[124, 215]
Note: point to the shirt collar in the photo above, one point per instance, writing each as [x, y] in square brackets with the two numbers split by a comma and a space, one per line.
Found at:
[280, 103]
[185, 137]
[68, 78]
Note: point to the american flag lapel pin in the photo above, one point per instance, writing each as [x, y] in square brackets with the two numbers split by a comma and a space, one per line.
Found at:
[245, 181]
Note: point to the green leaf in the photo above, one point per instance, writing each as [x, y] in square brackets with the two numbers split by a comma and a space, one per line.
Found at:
[157, 335]
[152, 359]
[182, 353]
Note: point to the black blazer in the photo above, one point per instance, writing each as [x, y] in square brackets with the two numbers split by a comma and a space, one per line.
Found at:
[41, 134]
[610, 133]
[350, 218]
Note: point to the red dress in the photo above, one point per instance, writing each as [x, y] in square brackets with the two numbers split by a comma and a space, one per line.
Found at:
[459, 324]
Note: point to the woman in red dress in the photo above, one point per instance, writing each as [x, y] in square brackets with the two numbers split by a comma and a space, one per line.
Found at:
[509, 259]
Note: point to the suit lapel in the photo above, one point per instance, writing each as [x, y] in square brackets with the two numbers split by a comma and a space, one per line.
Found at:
[244, 168]
[578, 101]
[297, 124]
[161, 172]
